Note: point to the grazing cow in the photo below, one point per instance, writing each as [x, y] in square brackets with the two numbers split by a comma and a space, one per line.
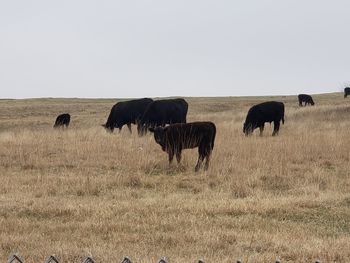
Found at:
[305, 98]
[271, 111]
[126, 112]
[62, 120]
[162, 112]
[346, 92]
[176, 137]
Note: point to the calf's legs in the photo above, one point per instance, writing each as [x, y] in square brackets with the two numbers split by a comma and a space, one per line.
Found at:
[204, 153]
[178, 156]
[171, 156]
[206, 166]
[199, 162]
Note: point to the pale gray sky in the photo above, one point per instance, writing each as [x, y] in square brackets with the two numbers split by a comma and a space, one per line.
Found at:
[153, 48]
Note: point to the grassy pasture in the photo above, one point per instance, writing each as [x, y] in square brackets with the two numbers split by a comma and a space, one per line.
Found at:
[87, 192]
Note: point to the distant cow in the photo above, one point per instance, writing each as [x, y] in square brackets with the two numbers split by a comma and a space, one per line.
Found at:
[271, 111]
[176, 137]
[62, 120]
[346, 92]
[305, 98]
[162, 112]
[126, 112]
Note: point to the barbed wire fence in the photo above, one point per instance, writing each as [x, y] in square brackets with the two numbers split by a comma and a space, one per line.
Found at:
[52, 259]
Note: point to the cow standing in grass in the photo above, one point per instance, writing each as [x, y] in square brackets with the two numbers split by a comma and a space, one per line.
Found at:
[307, 99]
[346, 92]
[162, 112]
[62, 120]
[126, 112]
[177, 137]
[271, 111]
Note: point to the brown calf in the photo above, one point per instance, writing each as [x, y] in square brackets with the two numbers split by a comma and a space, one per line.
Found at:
[176, 137]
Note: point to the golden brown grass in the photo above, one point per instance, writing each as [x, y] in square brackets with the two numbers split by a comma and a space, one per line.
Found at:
[86, 192]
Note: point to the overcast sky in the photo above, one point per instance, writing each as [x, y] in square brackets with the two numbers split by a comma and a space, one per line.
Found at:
[173, 48]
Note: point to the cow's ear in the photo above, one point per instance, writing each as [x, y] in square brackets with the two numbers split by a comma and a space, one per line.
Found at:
[151, 129]
[103, 125]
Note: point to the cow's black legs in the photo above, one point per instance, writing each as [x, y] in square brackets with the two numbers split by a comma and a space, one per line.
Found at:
[120, 129]
[129, 127]
[206, 166]
[202, 152]
[171, 156]
[276, 127]
[178, 156]
[199, 162]
[261, 129]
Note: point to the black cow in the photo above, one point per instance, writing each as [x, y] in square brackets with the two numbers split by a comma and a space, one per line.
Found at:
[346, 92]
[176, 137]
[162, 112]
[62, 120]
[271, 111]
[305, 98]
[126, 112]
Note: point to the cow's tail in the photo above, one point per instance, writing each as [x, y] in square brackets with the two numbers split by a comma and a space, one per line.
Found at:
[283, 114]
[213, 138]
[282, 119]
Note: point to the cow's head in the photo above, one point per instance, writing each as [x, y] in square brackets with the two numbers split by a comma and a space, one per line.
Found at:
[312, 102]
[159, 135]
[108, 128]
[248, 128]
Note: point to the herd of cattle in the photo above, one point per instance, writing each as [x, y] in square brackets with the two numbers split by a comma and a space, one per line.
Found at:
[166, 119]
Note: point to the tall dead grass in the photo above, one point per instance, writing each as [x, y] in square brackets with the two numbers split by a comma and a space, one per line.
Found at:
[84, 191]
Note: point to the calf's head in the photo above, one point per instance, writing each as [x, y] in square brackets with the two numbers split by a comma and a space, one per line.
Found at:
[159, 135]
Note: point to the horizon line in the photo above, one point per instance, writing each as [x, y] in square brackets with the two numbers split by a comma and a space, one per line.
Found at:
[171, 96]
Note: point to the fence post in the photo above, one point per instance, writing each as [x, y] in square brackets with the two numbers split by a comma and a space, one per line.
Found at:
[89, 260]
[126, 260]
[162, 260]
[52, 259]
[13, 258]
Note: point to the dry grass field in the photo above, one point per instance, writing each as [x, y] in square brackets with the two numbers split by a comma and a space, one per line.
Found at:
[84, 191]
